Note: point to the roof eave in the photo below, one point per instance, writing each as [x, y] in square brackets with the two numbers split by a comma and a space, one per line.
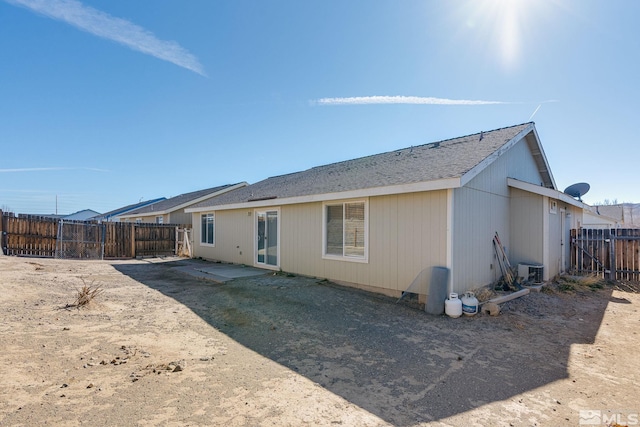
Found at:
[543, 191]
[440, 184]
[184, 205]
[541, 159]
[477, 169]
[209, 196]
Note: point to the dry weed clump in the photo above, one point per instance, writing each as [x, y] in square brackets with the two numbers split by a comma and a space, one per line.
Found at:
[484, 293]
[86, 294]
[579, 283]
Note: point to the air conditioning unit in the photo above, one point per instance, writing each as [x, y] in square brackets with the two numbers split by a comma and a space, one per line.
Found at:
[531, 273]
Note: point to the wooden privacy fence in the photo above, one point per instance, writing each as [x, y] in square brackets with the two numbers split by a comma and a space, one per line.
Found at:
[610, 253]
[32, 236]
[153, 239]
[50, 237]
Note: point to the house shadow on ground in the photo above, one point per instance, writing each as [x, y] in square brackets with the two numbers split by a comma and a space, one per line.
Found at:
[394, 361]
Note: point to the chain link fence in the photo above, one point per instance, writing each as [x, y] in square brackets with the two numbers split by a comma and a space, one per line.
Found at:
[80, 240]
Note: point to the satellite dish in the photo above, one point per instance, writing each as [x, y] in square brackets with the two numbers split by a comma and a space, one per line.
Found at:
[578, 190]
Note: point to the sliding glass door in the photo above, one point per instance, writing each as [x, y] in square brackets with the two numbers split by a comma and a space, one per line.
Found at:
[267, 237]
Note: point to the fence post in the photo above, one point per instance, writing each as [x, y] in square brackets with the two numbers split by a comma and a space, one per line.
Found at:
[103, 228]
[613, 267]
[133, 240]
[1, 232]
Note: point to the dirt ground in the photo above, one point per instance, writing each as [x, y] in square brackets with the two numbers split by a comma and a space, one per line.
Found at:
[161, 347]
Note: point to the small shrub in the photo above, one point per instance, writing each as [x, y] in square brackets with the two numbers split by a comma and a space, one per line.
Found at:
[86, 294]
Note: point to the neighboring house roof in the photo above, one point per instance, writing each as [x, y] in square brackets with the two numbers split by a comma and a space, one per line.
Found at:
[626, 213]
[82, 215]
[445, 164]
[111, 214]
[183, 200]
[612, 211]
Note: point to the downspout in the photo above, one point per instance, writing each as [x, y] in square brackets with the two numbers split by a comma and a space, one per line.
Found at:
[449, 251]
[545, 238]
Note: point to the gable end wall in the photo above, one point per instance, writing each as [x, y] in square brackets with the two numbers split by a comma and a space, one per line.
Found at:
[482, 208]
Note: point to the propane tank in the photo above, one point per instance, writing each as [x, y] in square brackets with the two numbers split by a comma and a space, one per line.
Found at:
[453, 306]
[469, 304]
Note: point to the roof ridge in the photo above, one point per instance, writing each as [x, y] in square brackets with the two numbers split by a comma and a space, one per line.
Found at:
[406, 148]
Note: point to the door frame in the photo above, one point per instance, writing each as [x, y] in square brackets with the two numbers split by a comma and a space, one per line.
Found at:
[565, 240]
[256, 214]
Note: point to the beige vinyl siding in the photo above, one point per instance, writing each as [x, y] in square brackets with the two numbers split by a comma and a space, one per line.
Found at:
[474, 263]
[422, 236]
[555, 241]
[149, 218]
[527, 232]
[180, 217]
[407, 234]
[301, 239]
[233, 237]
[481, 208]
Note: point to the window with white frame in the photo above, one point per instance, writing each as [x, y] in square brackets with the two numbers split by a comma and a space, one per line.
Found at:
[207, 233]
[159, 219]
[345, 230]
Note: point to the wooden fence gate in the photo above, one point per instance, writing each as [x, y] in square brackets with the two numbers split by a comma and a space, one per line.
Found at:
[610, 253]
[80, 240]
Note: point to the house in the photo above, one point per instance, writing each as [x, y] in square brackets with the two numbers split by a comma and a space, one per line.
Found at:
[626, 215]
[82, 215]
[383, 222]
[172, 210]
[597, 217]
[112, 216]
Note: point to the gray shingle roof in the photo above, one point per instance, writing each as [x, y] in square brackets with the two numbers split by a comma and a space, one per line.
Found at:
[125, 209]
[174, 202]
[450, 158]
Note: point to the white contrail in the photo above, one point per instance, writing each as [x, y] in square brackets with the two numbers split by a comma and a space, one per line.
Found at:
[103, 25]
[50, 169]
[366, 100]
[534, 113]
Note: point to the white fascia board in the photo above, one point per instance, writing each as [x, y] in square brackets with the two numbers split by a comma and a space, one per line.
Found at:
[543, 191]
[440, 184]
[494, 156]
[544, 156]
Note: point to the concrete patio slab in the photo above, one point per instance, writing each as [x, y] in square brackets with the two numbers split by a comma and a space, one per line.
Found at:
[221, 272]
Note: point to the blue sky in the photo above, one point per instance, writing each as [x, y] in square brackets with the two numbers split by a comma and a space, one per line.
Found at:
[104, 103]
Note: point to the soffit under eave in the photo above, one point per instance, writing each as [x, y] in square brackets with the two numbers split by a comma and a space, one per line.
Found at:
[535, 147]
